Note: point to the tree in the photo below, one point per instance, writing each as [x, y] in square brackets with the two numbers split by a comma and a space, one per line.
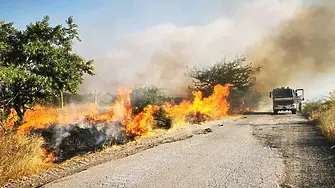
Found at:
[25, 86]
[237, 72]
[39, 62]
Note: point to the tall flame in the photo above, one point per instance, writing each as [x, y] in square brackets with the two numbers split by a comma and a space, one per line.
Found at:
[212, 107]
[43, 117]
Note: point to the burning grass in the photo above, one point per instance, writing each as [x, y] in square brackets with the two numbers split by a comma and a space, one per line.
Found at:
[323, 113]
[20, 156]
[74, 131]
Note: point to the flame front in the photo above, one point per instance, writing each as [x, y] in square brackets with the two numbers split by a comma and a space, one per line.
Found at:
[42, 117]
[201, 109]
[210, 108]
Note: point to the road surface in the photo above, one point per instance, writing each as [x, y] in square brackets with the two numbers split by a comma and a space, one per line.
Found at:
[259, 150]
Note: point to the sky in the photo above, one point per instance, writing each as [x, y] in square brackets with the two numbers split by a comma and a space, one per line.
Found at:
[123, 16]
[117, 17]
[127, 38]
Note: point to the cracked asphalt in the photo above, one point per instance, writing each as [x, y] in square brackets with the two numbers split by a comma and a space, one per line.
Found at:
[258, 150]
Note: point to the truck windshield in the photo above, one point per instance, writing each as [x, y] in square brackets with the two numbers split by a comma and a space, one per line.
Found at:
[282, 93]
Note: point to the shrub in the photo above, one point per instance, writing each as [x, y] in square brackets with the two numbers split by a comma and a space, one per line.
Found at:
[237, 72]
[143, 96]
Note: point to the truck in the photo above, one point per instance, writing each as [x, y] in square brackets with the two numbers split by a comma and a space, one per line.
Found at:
[287, 99]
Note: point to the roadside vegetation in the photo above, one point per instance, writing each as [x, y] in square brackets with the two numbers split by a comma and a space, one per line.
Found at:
[238, 72]
[20, 156]
[323, 113]
[38, 67]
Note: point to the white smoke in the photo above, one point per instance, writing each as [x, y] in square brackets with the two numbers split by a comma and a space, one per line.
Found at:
[159, 55]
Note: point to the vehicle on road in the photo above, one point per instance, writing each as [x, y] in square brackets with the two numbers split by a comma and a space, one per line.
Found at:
[287, 99]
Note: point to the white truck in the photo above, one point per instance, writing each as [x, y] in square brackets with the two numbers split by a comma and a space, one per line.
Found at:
[287, 99]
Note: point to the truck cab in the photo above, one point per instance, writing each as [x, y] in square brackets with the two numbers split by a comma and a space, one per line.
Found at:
[287, 99]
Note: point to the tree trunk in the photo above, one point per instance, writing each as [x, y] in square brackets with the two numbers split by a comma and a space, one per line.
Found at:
[61, 98]
[19, 112]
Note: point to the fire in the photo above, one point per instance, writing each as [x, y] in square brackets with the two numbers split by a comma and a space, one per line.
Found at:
[10, 121]
[136, 125]
[142, 122]
[210, 108]
[246, 109]
[42, 117]
[121, 110]
[201, 109]
[49, 156]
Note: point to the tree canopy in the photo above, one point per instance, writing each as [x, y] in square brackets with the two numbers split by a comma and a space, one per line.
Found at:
[39, 62]
[237, 72]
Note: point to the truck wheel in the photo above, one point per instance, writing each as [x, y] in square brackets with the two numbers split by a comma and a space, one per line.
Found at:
[275, 112]
[294, 111]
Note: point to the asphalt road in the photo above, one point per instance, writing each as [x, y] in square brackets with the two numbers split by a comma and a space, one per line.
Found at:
[258, 150]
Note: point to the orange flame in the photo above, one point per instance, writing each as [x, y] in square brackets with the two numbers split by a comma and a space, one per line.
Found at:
[49, 156]
[212, 107]
[203, 109]
[43, 117]
[142, 122]
[11, 119]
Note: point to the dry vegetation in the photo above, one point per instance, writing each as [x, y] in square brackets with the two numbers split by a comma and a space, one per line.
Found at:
[323, 112]
[20, 156]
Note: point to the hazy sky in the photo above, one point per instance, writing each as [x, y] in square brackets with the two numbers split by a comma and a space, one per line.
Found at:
[126, 37]
[115, 18]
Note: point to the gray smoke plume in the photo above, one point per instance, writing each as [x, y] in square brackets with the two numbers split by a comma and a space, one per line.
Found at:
[299, 51]
[160, 54]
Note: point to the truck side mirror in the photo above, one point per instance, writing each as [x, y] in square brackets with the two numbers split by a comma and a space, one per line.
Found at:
[270, 94]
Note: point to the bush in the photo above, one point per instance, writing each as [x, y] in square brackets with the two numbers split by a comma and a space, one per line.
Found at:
[161, 121]
[20, 156]
[237, 72]
[150, 95]
[143, 96]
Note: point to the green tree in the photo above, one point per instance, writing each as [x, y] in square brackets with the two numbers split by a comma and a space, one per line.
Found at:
[39, 62]
[23, 86]
[237, 72]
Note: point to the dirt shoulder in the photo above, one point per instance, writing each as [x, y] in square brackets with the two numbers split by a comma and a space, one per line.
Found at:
[308, 157]
[82, 163]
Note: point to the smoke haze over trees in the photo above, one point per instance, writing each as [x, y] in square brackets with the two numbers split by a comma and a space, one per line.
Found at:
[161, 54]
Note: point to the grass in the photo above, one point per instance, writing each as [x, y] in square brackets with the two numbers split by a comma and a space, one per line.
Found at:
[20, 156]
[323, 112]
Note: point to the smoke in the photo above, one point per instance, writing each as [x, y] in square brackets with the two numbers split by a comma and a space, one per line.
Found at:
[161, 54]
[299, 52]
[66, 141]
